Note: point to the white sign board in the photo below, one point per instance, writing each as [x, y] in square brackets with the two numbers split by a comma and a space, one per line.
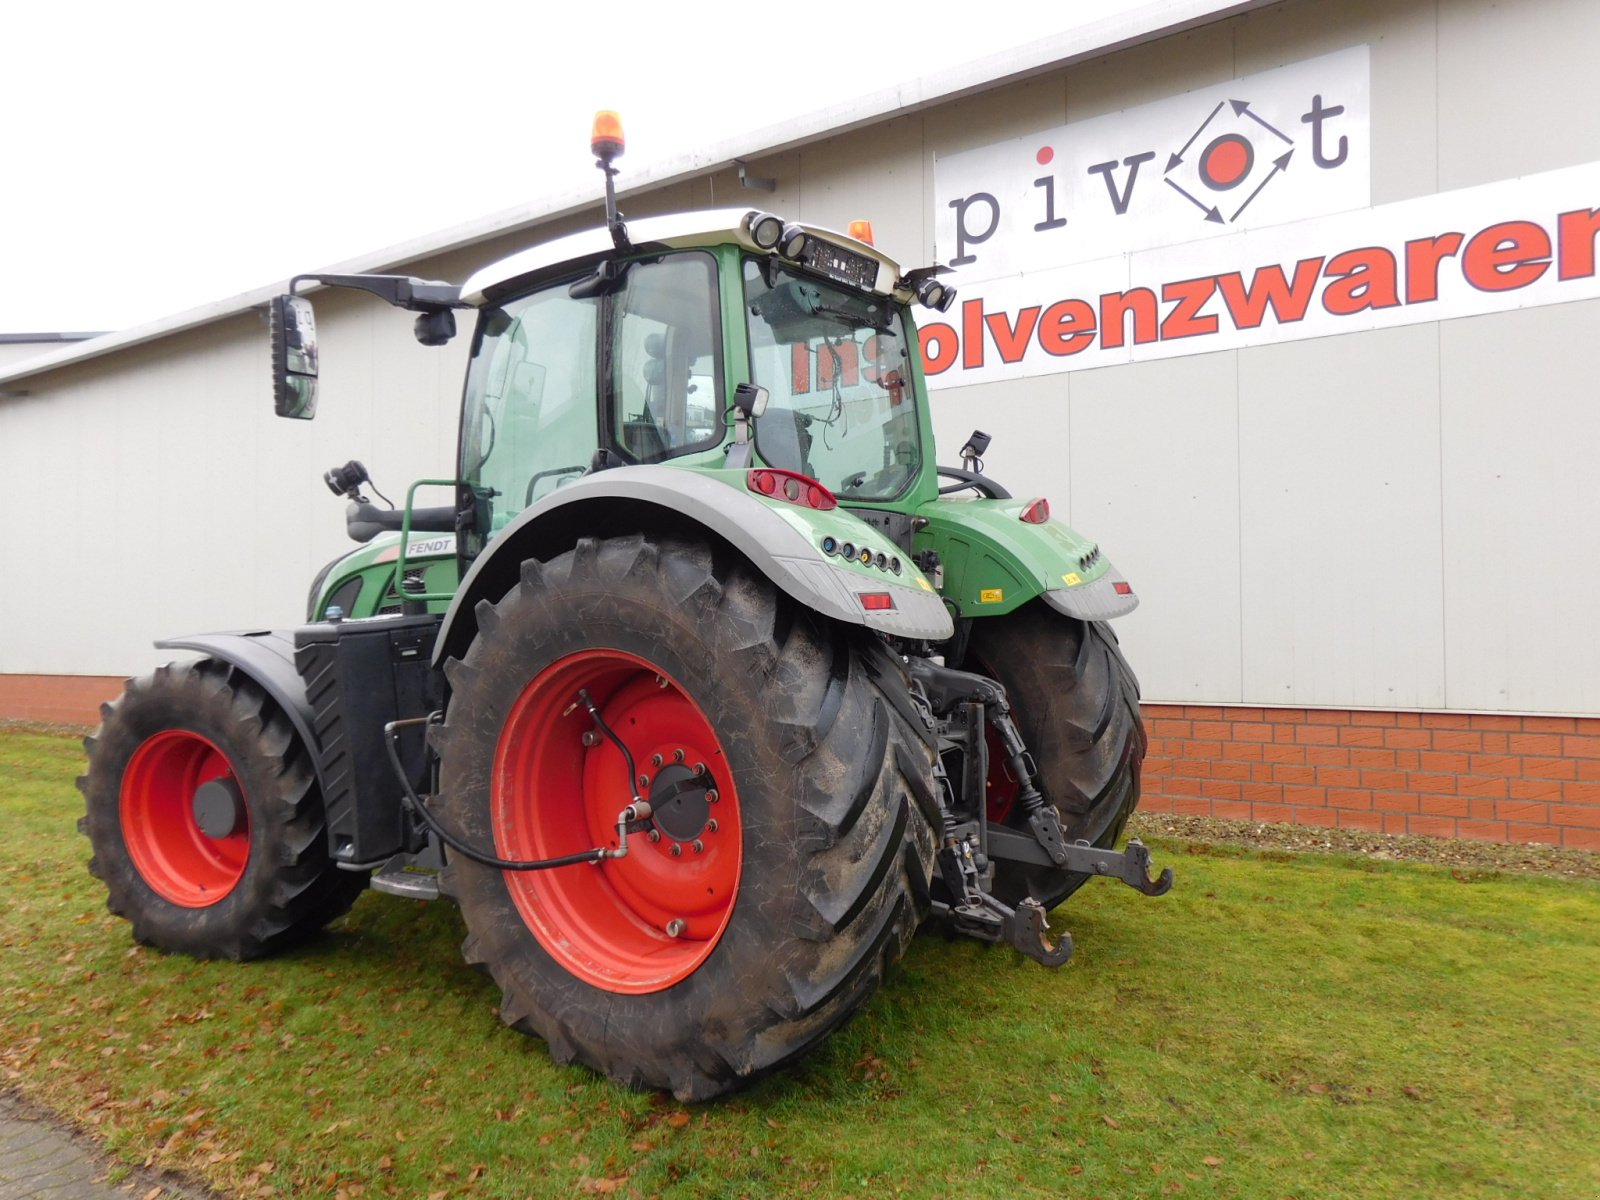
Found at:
[1262, 150]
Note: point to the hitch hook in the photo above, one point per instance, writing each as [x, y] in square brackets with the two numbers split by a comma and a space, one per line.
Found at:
[1026, 929]
[1137, 875]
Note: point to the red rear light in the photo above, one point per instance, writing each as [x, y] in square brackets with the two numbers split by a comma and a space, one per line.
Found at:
[791, 486]
[1037, 512]
[875, 601]
[1122, 589]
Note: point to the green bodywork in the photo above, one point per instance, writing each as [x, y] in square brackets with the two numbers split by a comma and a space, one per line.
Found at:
[992, 561]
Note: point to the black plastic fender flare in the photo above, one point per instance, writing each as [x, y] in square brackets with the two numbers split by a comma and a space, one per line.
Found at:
[672, 500]
[266, 656]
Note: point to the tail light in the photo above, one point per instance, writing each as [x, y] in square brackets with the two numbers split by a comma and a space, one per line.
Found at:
[791, 486]
[875, 601]
[1037, 512]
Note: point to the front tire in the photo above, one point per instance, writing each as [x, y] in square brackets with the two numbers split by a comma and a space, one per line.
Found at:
[700, 968]
[1076, 704]
[205, 818]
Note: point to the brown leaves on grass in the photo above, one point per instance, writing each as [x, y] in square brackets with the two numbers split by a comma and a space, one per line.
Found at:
[602, 1187]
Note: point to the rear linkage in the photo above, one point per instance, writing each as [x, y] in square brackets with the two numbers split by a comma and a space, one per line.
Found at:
[960, 706]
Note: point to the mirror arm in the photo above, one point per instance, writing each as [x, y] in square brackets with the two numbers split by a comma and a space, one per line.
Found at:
[402, 291]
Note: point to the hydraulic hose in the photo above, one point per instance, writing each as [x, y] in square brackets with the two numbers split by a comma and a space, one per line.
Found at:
[638, 810]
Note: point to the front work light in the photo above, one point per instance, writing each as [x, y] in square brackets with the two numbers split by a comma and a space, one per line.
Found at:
[764, 229]
[931, 293]
[793, 242]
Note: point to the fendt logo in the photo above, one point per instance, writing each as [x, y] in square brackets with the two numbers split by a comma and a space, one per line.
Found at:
[1262, 150]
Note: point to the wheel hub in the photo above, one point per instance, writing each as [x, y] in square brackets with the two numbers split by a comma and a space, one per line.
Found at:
[219, 807]
[681, 802]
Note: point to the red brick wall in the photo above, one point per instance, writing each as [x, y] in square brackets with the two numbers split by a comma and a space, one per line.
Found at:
[57, 699]
[1500, 778]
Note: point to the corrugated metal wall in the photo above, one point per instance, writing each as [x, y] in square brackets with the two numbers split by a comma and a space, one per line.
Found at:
[1393, 519]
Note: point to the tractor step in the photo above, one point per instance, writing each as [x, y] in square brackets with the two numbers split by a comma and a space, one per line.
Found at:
[410, 875]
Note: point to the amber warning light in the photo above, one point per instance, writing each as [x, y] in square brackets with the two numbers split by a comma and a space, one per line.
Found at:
[605, 139]
[861, 231]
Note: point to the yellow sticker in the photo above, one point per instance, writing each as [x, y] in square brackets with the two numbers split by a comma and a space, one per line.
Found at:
[1071, 579]
[991, 595]
[926, 586]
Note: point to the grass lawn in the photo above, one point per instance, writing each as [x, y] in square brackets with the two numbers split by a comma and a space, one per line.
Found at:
[1279, 1025]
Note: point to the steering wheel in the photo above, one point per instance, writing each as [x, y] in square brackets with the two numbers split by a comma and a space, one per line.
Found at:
[971, 479]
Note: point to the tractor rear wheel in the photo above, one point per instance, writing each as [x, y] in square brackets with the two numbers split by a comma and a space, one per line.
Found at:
[788, 856]
[205, 819]
[1076, 704]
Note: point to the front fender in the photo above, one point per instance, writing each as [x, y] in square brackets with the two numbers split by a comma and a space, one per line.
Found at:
[267, 656]
[782, 541]
[994, 562]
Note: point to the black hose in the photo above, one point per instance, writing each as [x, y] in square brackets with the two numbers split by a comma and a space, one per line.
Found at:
[415, 804]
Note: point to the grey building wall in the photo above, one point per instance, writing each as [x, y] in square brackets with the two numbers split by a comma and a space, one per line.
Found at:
[1391, 519]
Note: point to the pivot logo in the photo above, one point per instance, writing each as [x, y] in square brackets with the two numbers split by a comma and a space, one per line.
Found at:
[1261, 150]
[1229, 160]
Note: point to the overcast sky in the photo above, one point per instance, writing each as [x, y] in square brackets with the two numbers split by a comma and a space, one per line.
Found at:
[162, 154]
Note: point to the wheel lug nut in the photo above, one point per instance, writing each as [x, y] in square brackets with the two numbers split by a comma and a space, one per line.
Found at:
[644, 781]
[677, 850]
[654, 835]
[711, 796]
[698, 846]
[711, 825]
[676, 926]
[656, 760]
[661, 681]
[699, 768]
[677, 756]
[591, 738]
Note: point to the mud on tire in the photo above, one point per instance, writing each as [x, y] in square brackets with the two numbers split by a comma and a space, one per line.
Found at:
[262, 885]
[1076, 704]
[827, 781]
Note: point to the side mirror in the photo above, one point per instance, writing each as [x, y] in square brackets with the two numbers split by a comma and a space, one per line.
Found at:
[294, 357]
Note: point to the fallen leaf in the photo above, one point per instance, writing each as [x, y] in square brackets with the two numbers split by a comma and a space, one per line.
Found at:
[1211, 1160]
[678, 1120]
[151, 1194]
[1111, 1121]
[602, 1187]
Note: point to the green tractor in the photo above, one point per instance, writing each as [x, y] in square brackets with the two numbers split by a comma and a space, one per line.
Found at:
[704, 691]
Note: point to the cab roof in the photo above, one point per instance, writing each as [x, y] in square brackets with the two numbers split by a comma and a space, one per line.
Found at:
[676, 231]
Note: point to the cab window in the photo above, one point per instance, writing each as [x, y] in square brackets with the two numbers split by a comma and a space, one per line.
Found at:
[530, 423]
[666, 376]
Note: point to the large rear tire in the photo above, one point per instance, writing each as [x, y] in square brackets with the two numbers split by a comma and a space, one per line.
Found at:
[205, 818]
[759, 918]
[1076, 704]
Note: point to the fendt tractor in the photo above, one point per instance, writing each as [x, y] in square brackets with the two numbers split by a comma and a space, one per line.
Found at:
[707, 688]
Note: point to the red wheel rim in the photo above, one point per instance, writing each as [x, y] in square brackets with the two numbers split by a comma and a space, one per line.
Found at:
[1001, 787]
[646, 921]
[175, 857]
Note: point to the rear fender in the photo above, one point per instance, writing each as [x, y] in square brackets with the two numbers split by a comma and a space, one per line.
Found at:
[783, 541]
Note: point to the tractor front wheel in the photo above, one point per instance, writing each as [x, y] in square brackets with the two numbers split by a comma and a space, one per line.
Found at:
[1076, 704]
[205, 819]
[787, 858]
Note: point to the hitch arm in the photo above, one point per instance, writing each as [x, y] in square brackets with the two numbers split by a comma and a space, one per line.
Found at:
[1130, 865]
